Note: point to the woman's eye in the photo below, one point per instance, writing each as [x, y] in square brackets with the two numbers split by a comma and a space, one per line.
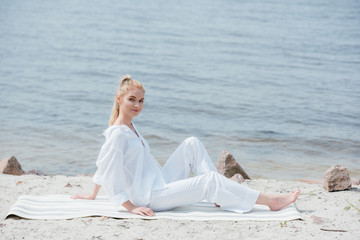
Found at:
[131, 99]
[142, 100]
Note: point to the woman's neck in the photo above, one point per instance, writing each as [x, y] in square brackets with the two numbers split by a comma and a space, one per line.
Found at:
[128, 122]
[123, 121]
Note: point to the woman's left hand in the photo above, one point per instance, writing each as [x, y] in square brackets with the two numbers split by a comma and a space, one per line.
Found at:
[143, 211]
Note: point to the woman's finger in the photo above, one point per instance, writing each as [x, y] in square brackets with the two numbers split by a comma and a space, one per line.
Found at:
[140, 212]
[79, 196]
[144, 211]
[76, 196]
[150, 212]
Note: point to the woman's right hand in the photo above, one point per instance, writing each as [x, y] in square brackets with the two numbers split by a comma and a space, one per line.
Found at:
[83, 196]
[88, 196]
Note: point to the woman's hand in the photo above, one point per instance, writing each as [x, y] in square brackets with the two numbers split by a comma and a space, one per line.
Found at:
[88, 196]
[143, 211]
[83, 196]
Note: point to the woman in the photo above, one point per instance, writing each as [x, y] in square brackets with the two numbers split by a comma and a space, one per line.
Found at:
[132, 178]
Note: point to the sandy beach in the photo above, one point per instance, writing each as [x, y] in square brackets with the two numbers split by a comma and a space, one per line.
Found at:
[326, 215]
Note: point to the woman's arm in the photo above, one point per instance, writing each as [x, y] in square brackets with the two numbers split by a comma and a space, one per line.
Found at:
[88, 196]
[143, 211]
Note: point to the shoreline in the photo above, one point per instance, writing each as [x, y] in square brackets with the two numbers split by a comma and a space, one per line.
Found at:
[325, 215]
[295, 174]
[255, 170]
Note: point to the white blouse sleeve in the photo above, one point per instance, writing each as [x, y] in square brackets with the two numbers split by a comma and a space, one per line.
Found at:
[120, 165]
[110, 173]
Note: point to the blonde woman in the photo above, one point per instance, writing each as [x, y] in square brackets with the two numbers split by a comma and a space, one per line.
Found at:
[132, 178]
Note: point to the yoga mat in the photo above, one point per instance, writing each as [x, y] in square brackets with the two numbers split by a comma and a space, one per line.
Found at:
[63, 207]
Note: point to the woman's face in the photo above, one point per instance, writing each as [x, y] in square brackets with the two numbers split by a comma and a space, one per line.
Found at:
[132, 102]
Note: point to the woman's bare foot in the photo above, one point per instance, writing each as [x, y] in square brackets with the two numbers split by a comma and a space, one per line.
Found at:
[278, 201]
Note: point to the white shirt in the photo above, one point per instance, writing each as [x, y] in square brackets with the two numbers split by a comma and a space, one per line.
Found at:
[126, 168]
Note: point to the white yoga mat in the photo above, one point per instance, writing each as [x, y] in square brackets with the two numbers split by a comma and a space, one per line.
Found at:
[63, 207]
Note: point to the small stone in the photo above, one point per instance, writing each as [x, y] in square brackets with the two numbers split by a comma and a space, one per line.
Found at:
[11, 166]
[86, 222]
[228, 166]
[238, 178]
[85, 175]
[355, 181]
[34, 172]
[68, 185]
[337, 178]
[317, 220]
[103, 218]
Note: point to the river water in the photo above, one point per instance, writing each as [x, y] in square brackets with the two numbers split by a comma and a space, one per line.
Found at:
[276, 83]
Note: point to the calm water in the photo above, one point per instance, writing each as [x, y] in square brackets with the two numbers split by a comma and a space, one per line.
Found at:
[277, 83]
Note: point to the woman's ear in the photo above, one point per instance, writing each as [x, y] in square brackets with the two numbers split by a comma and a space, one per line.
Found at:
[118, 99]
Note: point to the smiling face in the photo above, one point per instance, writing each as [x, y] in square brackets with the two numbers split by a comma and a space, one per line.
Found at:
[131, 103]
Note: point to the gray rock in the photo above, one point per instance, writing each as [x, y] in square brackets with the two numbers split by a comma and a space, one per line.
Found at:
[11, 166]
[228, 166]
[337, 178]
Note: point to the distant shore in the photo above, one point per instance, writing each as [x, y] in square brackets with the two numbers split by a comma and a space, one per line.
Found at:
[326, 215]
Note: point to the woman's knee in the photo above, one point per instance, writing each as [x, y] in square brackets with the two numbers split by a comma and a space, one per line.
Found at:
[191, 139]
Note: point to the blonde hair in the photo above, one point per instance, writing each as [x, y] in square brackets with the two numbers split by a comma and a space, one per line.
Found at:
[125, 85]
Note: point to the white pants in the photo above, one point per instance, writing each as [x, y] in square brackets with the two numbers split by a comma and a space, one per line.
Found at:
[207, 184]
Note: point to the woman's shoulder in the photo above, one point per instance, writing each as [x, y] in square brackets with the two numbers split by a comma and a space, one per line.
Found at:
[117, 133]
[121, 136]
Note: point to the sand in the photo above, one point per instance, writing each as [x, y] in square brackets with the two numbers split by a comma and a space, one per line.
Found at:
[325, 215]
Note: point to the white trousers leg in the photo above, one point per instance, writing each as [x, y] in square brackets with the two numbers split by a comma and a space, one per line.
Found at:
[206, 185]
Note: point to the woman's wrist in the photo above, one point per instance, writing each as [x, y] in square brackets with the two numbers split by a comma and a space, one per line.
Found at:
[129, 205]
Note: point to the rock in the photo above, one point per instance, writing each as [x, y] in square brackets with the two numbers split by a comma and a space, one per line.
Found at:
[355, 181]
[11, 166]
[337, 178]
[228, 166]
[238, 178]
